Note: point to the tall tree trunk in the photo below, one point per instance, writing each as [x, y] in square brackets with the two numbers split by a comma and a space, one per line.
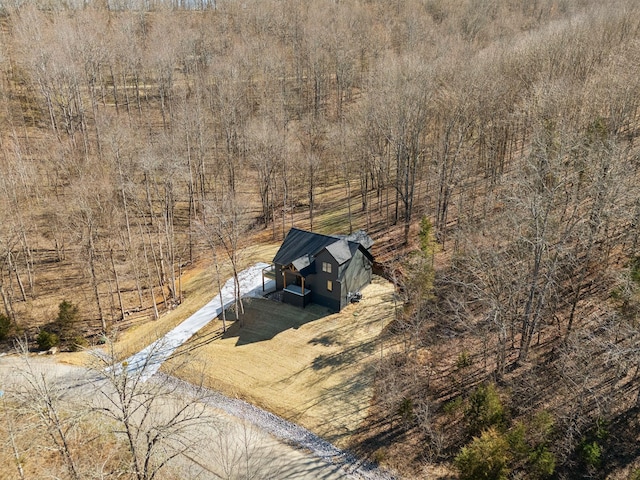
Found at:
[17, 274]
[94, 280]
[117, 280]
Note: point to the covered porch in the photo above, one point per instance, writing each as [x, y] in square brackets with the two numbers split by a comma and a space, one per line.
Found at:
[295, 292]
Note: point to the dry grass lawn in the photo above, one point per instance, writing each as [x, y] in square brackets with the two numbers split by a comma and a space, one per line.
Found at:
[309, 366]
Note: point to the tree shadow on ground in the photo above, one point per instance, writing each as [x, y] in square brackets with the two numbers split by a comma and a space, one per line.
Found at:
[264, 319]
[344, 357]
[623, 446]
[326, 340]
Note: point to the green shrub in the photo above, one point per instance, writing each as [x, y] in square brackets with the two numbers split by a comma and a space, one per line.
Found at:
[518, 441]
[591, 453]
[464, 360]
[634, 269]
[5, 326]
[78, 343]
[405, 409]
[68, 317]
[380, 455]
[485, 409]
[46, 340]
[453, 406]
[528, 446]
[485, 458]
[426, 230]
[600, 431]
[616, 294]
[542, 425]
[543, 463]
[590, 449]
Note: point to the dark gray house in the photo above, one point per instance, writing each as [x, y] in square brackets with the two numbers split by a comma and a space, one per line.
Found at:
[322, 269]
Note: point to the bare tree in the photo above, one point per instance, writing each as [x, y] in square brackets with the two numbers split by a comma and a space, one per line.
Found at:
[265, 153]
[312, 141]
[40, 396]
[92, 212]
[162, 60]
[227, 224]
[157, 424]
[401, 121]
[209, 235]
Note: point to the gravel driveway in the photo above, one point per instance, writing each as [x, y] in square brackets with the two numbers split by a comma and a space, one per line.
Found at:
[153, 356]
[345, 464]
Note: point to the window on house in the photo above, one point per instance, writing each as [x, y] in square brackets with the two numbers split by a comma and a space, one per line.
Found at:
[326, 267]
[329, 286]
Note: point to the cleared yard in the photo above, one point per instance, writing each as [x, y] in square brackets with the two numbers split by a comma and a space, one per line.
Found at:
[308, 366]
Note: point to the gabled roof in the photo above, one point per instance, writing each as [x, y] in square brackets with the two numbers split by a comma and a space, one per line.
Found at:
[300, 247]
[341, 251]
[300, 243]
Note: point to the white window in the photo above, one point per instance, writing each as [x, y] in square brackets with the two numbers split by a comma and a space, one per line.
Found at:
[326, 267]
[329, 286]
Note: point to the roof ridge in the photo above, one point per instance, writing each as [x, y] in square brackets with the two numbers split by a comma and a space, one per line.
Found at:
[315, 233]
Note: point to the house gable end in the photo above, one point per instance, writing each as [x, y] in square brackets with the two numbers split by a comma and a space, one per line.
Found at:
[340, 251]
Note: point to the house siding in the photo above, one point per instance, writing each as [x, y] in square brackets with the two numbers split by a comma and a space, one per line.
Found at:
[331, 302]
[297, 300]
[319, 289]
[356, 276]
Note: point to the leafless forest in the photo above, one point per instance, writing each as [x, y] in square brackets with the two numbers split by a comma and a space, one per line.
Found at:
[488, 146]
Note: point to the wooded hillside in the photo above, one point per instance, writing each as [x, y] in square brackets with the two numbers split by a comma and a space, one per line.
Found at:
[136, 142]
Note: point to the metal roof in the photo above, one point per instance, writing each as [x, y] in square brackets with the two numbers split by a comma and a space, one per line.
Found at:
[302, 262]
[300, 243]
[340, 251]
[299, 247]
[361, 237]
